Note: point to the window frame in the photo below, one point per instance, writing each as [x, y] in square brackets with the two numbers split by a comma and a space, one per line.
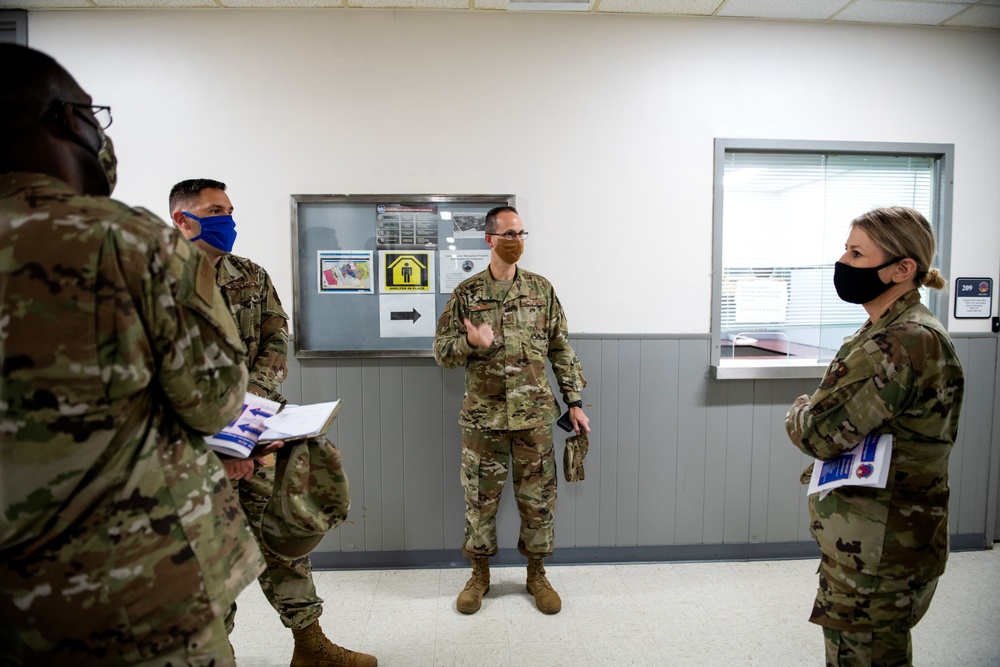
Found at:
[944, 157]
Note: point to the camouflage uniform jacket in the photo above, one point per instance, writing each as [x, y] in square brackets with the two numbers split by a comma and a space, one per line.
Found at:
[262, 322]
[899, 376]
[119, 534]
[506, 386]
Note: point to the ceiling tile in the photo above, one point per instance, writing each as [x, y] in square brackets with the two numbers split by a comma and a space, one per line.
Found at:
[411, 4]
[549, 5]
[682, 7]
[900, 11]
[281, 4]
[980, 16]
[153, 4]
[782, 9]
[44, 4]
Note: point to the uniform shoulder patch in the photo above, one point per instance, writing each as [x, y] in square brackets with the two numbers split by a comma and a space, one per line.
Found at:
[836, 371]
[204, 279]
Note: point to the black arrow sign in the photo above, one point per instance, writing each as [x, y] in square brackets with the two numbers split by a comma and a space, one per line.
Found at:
[414, 315]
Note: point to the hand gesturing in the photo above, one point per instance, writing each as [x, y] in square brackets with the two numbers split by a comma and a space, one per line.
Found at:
[478, 336]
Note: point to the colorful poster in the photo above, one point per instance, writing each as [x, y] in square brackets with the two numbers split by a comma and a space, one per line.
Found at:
[345, 272]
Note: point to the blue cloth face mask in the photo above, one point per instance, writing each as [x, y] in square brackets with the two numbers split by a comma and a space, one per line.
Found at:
[218, 231]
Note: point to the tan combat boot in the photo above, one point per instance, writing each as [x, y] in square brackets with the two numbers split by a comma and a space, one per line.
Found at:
[478, 585]
[546, 599]
[313, 649]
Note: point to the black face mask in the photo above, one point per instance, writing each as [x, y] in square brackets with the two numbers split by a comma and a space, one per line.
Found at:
[856, 285]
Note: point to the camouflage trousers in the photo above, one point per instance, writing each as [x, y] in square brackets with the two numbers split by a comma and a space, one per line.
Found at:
[867, 620]
[287, 583]
[486, 458]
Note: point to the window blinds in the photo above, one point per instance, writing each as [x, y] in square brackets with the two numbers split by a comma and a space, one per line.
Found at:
[786, 217]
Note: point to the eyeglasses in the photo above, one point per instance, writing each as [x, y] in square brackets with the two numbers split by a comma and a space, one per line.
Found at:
[102, 114]
[511, 236]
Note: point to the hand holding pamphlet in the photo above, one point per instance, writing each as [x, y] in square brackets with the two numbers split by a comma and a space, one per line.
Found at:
[263, 420]
[865, 465]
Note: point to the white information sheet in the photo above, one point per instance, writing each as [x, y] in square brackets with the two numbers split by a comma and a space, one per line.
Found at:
[457, 265]
[865, 465]
[406, 315]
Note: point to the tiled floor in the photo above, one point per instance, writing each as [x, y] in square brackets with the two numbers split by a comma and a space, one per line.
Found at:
[690, 614]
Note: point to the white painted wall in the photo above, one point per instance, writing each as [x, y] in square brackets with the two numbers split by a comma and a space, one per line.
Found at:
[603, 126]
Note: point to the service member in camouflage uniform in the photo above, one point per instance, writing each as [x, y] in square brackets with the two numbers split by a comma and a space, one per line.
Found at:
[121, 542]
[883, 549]
[202, 211]
[502, 324]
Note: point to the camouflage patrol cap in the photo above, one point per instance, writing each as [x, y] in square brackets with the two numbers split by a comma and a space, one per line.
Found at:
[310, 498]
[573, 455]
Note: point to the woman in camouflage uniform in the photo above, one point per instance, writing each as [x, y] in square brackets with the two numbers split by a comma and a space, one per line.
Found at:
[883, 549]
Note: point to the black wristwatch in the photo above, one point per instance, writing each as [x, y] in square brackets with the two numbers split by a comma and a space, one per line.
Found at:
[574, 404]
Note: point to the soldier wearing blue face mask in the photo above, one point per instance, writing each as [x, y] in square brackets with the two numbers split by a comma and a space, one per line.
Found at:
[201, 209]
[218, 231]
[203, 213]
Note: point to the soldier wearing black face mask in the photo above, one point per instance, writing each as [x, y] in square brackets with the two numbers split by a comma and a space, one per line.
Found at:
[119, 540]
[883, 549]
[105, 148]
[857, 284]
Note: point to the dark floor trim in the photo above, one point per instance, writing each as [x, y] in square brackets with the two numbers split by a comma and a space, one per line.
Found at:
[377, 560]
[969, 542]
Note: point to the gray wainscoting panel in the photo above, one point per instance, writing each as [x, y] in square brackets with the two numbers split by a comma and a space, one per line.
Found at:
[690, 489]
[606, 442]
[626, 523]
[367, 508]
[677, 460]
[970, 459]
[734, 419]
[394, 510]
[658, 398]
[580, 526]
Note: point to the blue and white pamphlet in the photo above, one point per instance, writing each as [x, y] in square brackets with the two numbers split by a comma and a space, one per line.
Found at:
[263, 420]
[241, 435]
[865, 465]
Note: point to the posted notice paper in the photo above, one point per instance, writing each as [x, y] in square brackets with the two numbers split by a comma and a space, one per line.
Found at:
[865, 465]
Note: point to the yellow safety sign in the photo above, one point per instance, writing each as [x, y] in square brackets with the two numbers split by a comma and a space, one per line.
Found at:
[406, 272]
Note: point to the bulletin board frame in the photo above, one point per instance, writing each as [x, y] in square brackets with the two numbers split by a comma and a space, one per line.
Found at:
[373, 272]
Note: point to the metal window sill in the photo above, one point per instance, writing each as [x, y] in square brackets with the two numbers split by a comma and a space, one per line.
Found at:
[768, 369]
